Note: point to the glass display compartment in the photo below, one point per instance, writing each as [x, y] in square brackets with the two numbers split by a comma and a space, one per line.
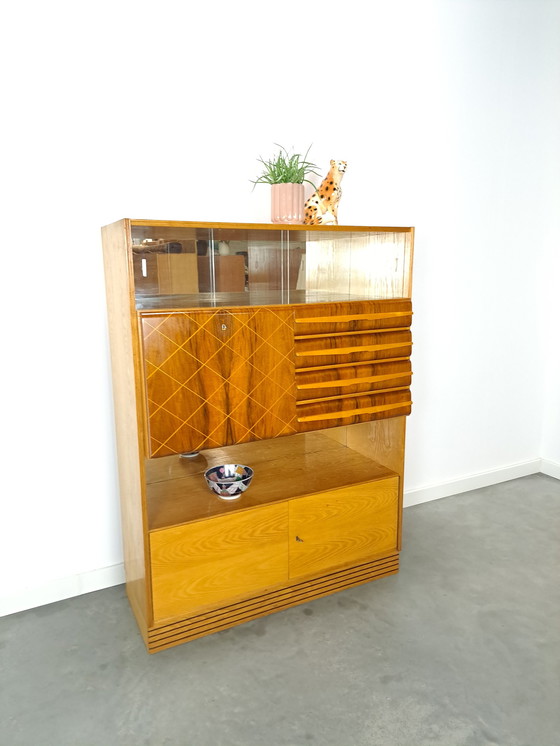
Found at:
[180, 265]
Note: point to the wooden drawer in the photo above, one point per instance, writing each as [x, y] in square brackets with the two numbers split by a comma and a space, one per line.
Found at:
[352, 316]
[351, 347]
[352, 362]
[218, 560]
[343, 380]
[348, 410]
[343, 526]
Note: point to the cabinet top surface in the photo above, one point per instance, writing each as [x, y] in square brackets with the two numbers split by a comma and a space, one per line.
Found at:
[264, 226]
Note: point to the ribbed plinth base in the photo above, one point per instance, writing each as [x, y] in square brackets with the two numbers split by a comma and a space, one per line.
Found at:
[166, 636]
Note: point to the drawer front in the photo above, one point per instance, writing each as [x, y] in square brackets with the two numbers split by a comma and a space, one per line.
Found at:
[344, 410]
[352, 362]
[328, 383]
[343, 526]
[351, 316]
[215, 561]
[217, 378]
[342, 348]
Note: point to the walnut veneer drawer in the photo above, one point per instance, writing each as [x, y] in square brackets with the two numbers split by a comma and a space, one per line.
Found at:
[210, 562]
[348, 410]
[352, 362]
[323, 318]
[343, 526]
[352, 347]
[352, 379]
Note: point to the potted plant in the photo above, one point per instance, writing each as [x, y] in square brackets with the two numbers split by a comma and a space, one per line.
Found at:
[286, 173]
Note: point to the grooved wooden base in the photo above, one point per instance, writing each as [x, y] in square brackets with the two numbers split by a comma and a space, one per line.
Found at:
[176, 633]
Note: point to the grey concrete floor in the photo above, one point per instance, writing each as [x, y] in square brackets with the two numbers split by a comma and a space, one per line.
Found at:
[462, 648]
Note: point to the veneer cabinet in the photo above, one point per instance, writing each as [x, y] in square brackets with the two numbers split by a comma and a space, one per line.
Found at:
[296, 363]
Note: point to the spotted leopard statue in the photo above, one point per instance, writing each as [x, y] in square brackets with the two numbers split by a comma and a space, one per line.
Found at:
[322, 207]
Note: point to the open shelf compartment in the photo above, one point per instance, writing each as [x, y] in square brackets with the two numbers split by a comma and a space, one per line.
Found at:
[287, 468]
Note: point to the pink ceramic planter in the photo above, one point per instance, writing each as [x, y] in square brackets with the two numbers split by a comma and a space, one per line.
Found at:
[287, 203]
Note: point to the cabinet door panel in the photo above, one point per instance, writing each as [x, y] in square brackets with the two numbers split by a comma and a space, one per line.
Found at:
[215, 561]
[343, 526]
[217, 377]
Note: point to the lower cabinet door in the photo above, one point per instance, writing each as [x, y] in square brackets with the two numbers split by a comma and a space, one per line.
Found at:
[221, 559]
[343, 526]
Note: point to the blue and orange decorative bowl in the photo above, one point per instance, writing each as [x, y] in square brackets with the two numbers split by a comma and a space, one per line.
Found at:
[229, 481]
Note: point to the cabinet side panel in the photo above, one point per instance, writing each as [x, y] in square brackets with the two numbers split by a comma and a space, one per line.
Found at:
[383, 441]
[124, 359]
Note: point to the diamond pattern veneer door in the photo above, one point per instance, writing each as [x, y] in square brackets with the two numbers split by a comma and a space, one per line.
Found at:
[217, 377]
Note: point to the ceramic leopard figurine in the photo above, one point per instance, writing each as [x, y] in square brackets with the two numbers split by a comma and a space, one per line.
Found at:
[322, 207]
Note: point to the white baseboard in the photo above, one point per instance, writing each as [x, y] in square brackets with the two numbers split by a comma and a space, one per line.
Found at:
[472, 482]
[105, 577]
[61, 588]
[550, 468]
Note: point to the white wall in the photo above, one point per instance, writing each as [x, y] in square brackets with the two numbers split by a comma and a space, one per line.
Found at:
[446, 114]
[548, 285]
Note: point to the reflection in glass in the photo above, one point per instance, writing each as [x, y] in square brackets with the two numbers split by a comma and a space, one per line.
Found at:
[186, 266]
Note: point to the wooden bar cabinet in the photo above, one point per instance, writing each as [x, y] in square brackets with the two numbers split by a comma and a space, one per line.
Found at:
[281, 347]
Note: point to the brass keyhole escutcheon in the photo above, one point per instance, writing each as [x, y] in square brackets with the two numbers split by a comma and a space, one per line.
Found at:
[224, 327]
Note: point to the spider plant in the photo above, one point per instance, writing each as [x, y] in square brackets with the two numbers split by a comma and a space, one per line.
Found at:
[286, 169]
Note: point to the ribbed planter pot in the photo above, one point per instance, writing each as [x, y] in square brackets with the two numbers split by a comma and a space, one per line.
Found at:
[287, 203]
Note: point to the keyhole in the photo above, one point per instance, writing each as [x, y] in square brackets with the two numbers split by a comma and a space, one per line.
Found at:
[224, 327]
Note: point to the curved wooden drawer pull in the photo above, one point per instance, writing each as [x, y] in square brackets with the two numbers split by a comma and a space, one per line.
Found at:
[352, 317]
[360, 332]
[354, 412]
[351, 381]
[349, 350]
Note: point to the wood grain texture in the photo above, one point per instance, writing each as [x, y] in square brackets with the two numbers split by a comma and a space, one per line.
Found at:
[163, 273]
[127, 395]
[158, 225]
[354, 364]
[317, 318]
[353, 317]
[177, 273]
[370, 265]
[162, 636]
[224, 379]
[353, 379]
[349, 348]
[343, 526]
[297, 466]
[221, 559]
[228, 271]
[218, 377]
[334, 413]
[256, 453]
[384, 441]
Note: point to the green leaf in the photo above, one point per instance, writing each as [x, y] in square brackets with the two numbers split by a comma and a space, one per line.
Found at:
[286, 169]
